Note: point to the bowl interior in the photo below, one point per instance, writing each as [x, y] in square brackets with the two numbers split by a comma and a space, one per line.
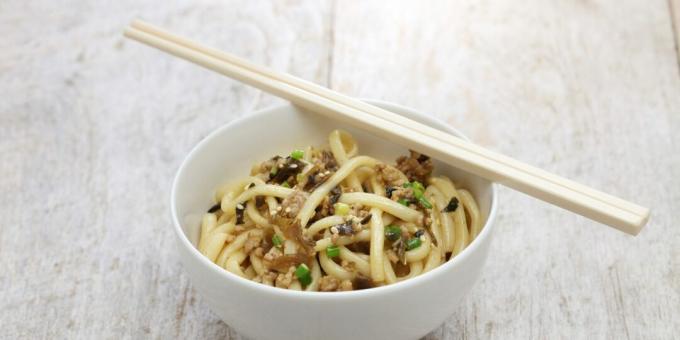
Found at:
[228, 154]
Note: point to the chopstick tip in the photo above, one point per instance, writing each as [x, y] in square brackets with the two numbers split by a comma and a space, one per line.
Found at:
[127, 31]
[635, 228]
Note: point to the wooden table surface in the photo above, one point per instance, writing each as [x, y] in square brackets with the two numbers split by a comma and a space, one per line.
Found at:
[93, 128]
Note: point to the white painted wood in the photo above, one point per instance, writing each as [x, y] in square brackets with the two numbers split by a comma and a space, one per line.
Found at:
[587, 89]
[93, 127]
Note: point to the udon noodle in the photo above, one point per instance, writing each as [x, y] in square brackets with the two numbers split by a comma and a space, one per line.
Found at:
[329, 219]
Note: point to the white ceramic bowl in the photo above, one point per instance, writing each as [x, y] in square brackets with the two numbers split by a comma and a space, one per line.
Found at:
[405, 310]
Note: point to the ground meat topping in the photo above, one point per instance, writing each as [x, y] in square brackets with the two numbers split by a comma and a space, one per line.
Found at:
[272, 254]
[328, 283]
[268, 278]
[415, 167]
[292, 204]
[284, 280]
[349, 266]
[402, 193]
[358, 210]
[388, 175]
[252, 242]
[345, 285]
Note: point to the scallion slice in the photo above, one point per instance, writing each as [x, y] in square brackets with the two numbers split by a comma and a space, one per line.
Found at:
[297, 154]
[417, 187]
[303, 274]
[413, 243]
[332, 251]
[392, 232]
[276, 240]
[424, 202]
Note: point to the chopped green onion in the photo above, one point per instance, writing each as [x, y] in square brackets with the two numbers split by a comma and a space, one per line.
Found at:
[403, 202]
[392, 232]
[303, 274]
[285, 184]
[424, 202]
[332, 251]
[413, 243]
[418, 190]
[297, 154]
[341, 209]
[274, 170]
[276, 240]
[417, 187]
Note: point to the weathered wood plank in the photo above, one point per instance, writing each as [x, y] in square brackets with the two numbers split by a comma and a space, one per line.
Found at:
[92, 129]
[583, 88]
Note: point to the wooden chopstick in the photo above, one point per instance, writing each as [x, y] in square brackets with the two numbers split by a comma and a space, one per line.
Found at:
[407, 123]
[607, 209]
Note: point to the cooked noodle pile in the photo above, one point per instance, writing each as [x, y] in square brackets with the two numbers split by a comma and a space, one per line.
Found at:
[333, 220]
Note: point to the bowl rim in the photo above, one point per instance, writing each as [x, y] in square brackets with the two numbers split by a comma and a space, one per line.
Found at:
[305, 295]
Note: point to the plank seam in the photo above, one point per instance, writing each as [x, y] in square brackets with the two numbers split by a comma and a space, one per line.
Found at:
[674, 9]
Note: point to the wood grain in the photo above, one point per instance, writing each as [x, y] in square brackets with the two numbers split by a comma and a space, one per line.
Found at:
[585, 89]
[674, 8]
[93, 127]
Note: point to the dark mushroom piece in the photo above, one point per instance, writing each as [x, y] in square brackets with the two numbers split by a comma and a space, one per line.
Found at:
[240, 209]
[452, 206]
[214, 208]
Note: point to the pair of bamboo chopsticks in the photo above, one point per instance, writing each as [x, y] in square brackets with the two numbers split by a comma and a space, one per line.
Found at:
[615, 212]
